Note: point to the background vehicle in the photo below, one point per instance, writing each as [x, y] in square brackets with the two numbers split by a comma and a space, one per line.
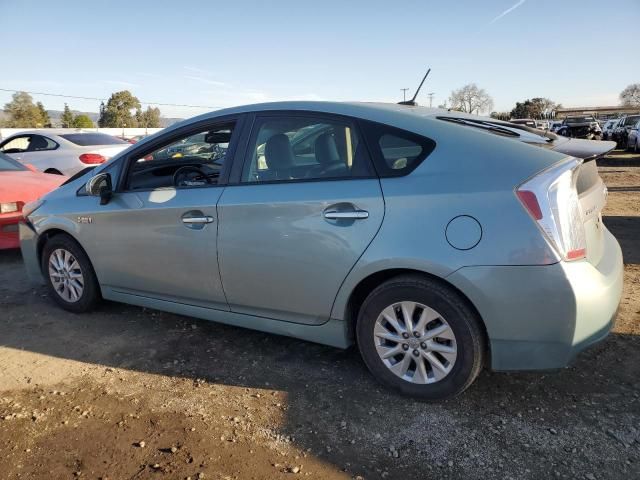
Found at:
[553, 127]
[529, 122]
[621, 131]
[607, 129]
[384, 225]
[580, 127]
[19, 184]
[633, 139]
[62, 152]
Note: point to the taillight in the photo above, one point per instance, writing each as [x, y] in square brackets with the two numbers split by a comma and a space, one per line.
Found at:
[551, 199]
[92, 158]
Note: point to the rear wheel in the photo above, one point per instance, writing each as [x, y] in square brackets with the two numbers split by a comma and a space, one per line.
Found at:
[420, 337]
[69, 274]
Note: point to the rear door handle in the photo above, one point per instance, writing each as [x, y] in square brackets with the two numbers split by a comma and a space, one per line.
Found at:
[349, 215]
[192, 220]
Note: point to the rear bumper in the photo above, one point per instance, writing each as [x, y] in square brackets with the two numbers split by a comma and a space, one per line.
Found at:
[540, 317]
[29, 248]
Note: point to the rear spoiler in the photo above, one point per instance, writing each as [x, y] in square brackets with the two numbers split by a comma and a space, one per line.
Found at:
[587, 150]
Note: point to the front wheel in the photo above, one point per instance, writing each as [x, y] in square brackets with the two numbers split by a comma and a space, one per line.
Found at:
[69, 274]
[421, 338]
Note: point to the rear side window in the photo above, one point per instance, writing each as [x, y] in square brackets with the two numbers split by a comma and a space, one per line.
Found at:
[89, 139]
[396, 152]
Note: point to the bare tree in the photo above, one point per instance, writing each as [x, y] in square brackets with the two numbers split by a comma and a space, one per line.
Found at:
[471, 99]
[630, 96]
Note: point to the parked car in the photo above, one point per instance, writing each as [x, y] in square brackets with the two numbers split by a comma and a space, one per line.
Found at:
[19, 184]
[542, 124]
[438, 249]
[607, 129]
[633, 139]
[529, 122]
[61, 151]
[580, 127]
[554, 126]
[621, 132]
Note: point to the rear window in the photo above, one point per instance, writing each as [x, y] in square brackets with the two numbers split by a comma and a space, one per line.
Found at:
[89, 139]
[9, 164]
[396, 152]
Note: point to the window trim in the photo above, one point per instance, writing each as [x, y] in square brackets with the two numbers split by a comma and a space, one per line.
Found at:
[254, 129]
[373, 131]
[142, 149]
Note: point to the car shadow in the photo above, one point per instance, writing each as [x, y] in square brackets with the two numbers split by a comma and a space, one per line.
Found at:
[332, 400]
[627, 230]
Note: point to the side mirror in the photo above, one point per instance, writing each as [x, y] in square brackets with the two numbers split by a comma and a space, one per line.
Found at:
[31, 167]
[100, 186]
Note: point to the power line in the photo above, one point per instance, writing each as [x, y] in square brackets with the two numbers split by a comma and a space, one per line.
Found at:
[103, 99]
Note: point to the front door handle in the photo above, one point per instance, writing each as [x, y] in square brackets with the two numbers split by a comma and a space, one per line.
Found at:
[192, 220]
[349, 215]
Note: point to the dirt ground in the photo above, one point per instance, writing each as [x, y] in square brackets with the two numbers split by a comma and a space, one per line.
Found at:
[131, 393]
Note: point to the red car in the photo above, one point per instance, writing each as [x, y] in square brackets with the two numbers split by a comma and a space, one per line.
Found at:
[19, 184]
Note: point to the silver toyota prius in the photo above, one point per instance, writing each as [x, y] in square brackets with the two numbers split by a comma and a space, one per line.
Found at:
[436, 248]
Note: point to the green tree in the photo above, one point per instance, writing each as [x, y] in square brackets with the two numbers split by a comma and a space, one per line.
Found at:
[500, 115]
[101, 117]
[150, 118]
[82, 121]
[23, 112]
[44, 115]
[118, 111]
[66, 119]
[538, 107]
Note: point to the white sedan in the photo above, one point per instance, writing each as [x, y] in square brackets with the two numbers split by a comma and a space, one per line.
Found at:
[62, 151]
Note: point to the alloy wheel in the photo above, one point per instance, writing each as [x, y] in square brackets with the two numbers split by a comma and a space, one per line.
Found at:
[415, 342]
[66, 275]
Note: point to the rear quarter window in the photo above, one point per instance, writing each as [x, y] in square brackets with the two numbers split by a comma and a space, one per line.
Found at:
[90, 139]
[396, 152]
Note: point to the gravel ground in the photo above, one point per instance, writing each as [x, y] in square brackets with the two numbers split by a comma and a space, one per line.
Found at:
[131, 393]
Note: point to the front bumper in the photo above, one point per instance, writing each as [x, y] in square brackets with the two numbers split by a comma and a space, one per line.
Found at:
[540, 317]
[29, 248]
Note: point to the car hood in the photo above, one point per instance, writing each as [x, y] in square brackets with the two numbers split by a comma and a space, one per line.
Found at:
[25, 186]
[581, 148]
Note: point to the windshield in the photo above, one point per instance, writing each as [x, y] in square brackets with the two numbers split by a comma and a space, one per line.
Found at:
[89, 139]
[8, 164]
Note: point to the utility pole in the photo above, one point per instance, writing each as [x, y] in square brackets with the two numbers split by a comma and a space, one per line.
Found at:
[404, 94]
[430, 95]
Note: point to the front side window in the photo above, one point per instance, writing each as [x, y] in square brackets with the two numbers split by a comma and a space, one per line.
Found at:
[305, 148]
[17, 145]
[195, 160]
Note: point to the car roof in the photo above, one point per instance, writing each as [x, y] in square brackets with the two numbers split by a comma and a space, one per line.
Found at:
[51, 131]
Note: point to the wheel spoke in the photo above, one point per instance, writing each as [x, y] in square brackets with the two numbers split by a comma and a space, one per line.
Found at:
[388, 352]
[438, 331]
[407, 313]
[420, 376]
[426, 316]
[402, 366]
[439, 370]
[389, 315]
[440, 348]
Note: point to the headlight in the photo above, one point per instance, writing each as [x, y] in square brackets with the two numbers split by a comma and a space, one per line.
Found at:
[9, 207]
[31, 207]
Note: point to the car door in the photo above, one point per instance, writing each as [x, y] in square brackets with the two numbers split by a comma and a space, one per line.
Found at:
[298, 217]
[157, 236]
[40, 152]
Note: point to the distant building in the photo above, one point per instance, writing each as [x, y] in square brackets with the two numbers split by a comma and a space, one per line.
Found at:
[597, 112]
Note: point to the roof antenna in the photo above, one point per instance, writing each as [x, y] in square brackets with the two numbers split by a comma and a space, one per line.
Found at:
[413, 102]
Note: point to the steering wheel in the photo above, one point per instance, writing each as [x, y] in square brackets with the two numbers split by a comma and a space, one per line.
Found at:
[198, 179]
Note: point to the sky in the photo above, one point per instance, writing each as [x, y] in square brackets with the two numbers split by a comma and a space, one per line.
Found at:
[215, 54]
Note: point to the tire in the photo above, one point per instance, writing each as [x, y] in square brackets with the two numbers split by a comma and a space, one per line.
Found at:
[82, 291]
[451, 310]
